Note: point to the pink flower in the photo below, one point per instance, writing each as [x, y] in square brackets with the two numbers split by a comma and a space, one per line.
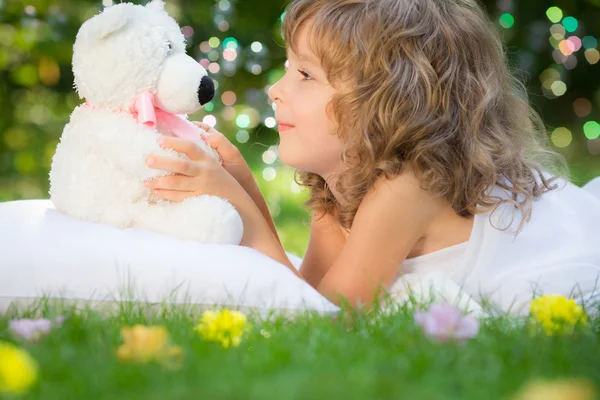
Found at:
[444, 322]
[33, 329]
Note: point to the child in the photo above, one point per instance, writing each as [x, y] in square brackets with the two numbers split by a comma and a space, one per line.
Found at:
[421, 153]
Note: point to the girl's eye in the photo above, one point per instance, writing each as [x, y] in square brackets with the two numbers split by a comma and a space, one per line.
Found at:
[305, 75]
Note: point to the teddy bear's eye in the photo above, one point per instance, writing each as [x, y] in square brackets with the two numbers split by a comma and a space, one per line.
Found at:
[169, 47]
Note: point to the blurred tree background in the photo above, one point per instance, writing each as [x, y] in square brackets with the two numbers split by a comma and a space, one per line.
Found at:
[553, 46]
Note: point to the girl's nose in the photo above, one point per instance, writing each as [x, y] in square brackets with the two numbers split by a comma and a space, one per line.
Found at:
[274, 93]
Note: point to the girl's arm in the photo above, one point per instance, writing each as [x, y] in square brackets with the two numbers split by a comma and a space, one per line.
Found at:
[391, 219]
[249, 184]
[236, 165]
[324, 246]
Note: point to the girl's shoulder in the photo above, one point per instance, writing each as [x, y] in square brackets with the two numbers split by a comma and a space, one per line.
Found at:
[400, 199]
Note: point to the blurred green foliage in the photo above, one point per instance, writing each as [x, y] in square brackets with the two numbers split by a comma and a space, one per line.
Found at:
[37, 95]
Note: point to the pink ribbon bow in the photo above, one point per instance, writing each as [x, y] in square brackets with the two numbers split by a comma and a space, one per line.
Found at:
[148, 114]
[145, 112]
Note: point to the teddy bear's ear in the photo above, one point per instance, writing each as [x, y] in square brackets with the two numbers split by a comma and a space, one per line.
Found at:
[156, 5]
[109, 21]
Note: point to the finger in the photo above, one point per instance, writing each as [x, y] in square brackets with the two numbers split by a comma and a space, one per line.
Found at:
[172, 195]
[172, 182]
[214, 140]
[185, 146]
[221, 145]
[175, 165]
[213, 137]
[206, 127]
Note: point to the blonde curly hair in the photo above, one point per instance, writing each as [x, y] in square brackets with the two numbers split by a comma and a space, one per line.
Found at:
[430, 92]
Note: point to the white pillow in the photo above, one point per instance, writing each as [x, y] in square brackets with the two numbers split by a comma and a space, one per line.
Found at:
[593, 187]
[46, 254]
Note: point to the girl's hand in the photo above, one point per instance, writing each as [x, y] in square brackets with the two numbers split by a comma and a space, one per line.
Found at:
[233, 161]
[202, 174]
[199, 175]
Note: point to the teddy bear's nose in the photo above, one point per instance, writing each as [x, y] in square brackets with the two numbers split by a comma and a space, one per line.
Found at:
[206, 91]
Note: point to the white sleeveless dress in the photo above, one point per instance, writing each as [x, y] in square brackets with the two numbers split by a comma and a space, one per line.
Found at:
[557, 252]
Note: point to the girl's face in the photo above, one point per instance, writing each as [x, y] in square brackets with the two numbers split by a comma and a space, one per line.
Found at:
[308, 140]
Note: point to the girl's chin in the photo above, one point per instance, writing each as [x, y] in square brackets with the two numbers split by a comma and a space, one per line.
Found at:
[298, 157]
[294, 159]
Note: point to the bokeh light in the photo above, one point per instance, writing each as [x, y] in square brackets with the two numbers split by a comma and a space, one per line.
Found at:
[187, 31]
[224, 5]
[559, 57]
[507, 21]
[570, 62]
[49, 71]
[582, 107]
[228, 98]
[269, 157]
[213, 55]
[561, 137]
[256, 69]
[504, 5]
[593, 147]
[566, 47]
[230, 43]
[591, 129]
[554, 14]
[558, 31]
[223, 26]
[575, 42]
[210, 120]
[214, 42]
[270, 122]
[242, 136]
[256, 47]
[205, 47]
[269, 173]
[558, 88]
[228, 113]
[214, 68]
[243, 121]
[230, 55]
[548, 77]
[570, 24]
[589, 42]
[592, 56]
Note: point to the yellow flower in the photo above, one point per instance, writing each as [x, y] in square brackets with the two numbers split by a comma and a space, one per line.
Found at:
[557, 314]
[225, 327]
[144, 344]
[18, 370]
[564, 389]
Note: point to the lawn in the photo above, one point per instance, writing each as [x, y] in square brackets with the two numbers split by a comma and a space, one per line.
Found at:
[366, 355]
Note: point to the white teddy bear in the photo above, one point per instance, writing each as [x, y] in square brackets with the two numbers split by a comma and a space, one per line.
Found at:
[130, 64]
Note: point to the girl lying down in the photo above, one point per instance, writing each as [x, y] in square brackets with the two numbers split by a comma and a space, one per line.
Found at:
[421, 154]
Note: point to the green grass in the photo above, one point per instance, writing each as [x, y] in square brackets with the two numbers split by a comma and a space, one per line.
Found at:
[362, 356]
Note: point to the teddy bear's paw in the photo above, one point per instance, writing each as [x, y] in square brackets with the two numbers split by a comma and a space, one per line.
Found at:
[207, 219]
